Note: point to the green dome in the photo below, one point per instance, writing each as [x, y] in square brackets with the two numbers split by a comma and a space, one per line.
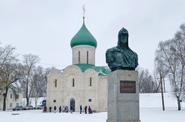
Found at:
[83, 37]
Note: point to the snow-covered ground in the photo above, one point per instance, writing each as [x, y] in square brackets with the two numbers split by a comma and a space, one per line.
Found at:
[154, 101]
[150, 111]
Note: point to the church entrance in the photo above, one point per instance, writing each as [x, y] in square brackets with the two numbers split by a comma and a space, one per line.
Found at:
[72, 105]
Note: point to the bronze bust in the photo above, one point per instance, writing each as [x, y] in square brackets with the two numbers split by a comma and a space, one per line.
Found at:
[121, 56]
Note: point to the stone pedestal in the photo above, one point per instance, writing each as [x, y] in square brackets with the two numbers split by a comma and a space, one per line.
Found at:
[123, 96]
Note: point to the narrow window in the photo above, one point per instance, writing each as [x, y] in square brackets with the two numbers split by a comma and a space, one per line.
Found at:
[73, 83]
[55, 83]
[90, 82]
[79, 57]
[87, 57]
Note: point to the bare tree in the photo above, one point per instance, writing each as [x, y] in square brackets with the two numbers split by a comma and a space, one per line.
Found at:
[39, 83]
[33, 79]
[178, 48]
[29, 62]
[160, 73]
[9, 72]
[171, 56]
[146, 82]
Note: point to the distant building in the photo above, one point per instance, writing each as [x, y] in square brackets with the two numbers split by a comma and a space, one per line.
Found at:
[82, 83]
[12, 100]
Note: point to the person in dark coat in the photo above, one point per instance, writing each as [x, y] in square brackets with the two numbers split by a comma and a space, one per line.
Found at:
[80, 109]
[50, 109]
[45, 109]
[85, 109]
[89, 110]
[55, 108]
[71, 109]
[60, 109]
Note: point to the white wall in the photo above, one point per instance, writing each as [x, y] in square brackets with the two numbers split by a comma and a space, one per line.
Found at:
[81, 92]
[11, 102]
[83, 54]
[102, 93]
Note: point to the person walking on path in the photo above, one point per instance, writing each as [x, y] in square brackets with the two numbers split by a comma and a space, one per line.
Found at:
[45, 109]
[60, 109]
[80, 109]
[55, 108]
[50, 109]
[85, 109]
[89, 110]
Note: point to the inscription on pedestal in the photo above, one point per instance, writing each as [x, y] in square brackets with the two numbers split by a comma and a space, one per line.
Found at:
[127, 86]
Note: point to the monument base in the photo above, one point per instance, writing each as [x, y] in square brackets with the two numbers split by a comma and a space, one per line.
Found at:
[123, 96]
[108, 120]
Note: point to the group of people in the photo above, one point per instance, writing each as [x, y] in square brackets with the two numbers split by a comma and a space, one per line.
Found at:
[60, 109]
[86, 110]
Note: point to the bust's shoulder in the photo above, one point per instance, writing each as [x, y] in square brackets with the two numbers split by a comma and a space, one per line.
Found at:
[113, 49]
[133, 53]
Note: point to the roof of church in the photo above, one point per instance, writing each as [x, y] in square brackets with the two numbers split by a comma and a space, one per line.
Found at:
[102, 70]
[83, 37]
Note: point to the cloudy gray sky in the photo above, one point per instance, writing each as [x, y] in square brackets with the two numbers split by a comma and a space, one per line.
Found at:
[45, 27]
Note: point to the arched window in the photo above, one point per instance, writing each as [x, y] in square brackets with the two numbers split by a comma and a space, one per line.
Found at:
[73, 82]
[90, 82]
[79, 57]
[55, 83]
[87, 57]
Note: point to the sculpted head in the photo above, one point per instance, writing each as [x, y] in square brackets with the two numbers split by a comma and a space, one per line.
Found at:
[123, 38]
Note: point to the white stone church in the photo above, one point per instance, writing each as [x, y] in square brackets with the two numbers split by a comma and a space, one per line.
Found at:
[82, 83]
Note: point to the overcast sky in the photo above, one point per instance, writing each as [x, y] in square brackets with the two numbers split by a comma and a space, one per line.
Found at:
[46, 27]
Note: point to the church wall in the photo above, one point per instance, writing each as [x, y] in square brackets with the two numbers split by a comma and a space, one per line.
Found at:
[84, 94]
[54, 99]
[81, 92]
[102, 93]
[73, 92]
[54, 93]
[91, 91]
[83, 54]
